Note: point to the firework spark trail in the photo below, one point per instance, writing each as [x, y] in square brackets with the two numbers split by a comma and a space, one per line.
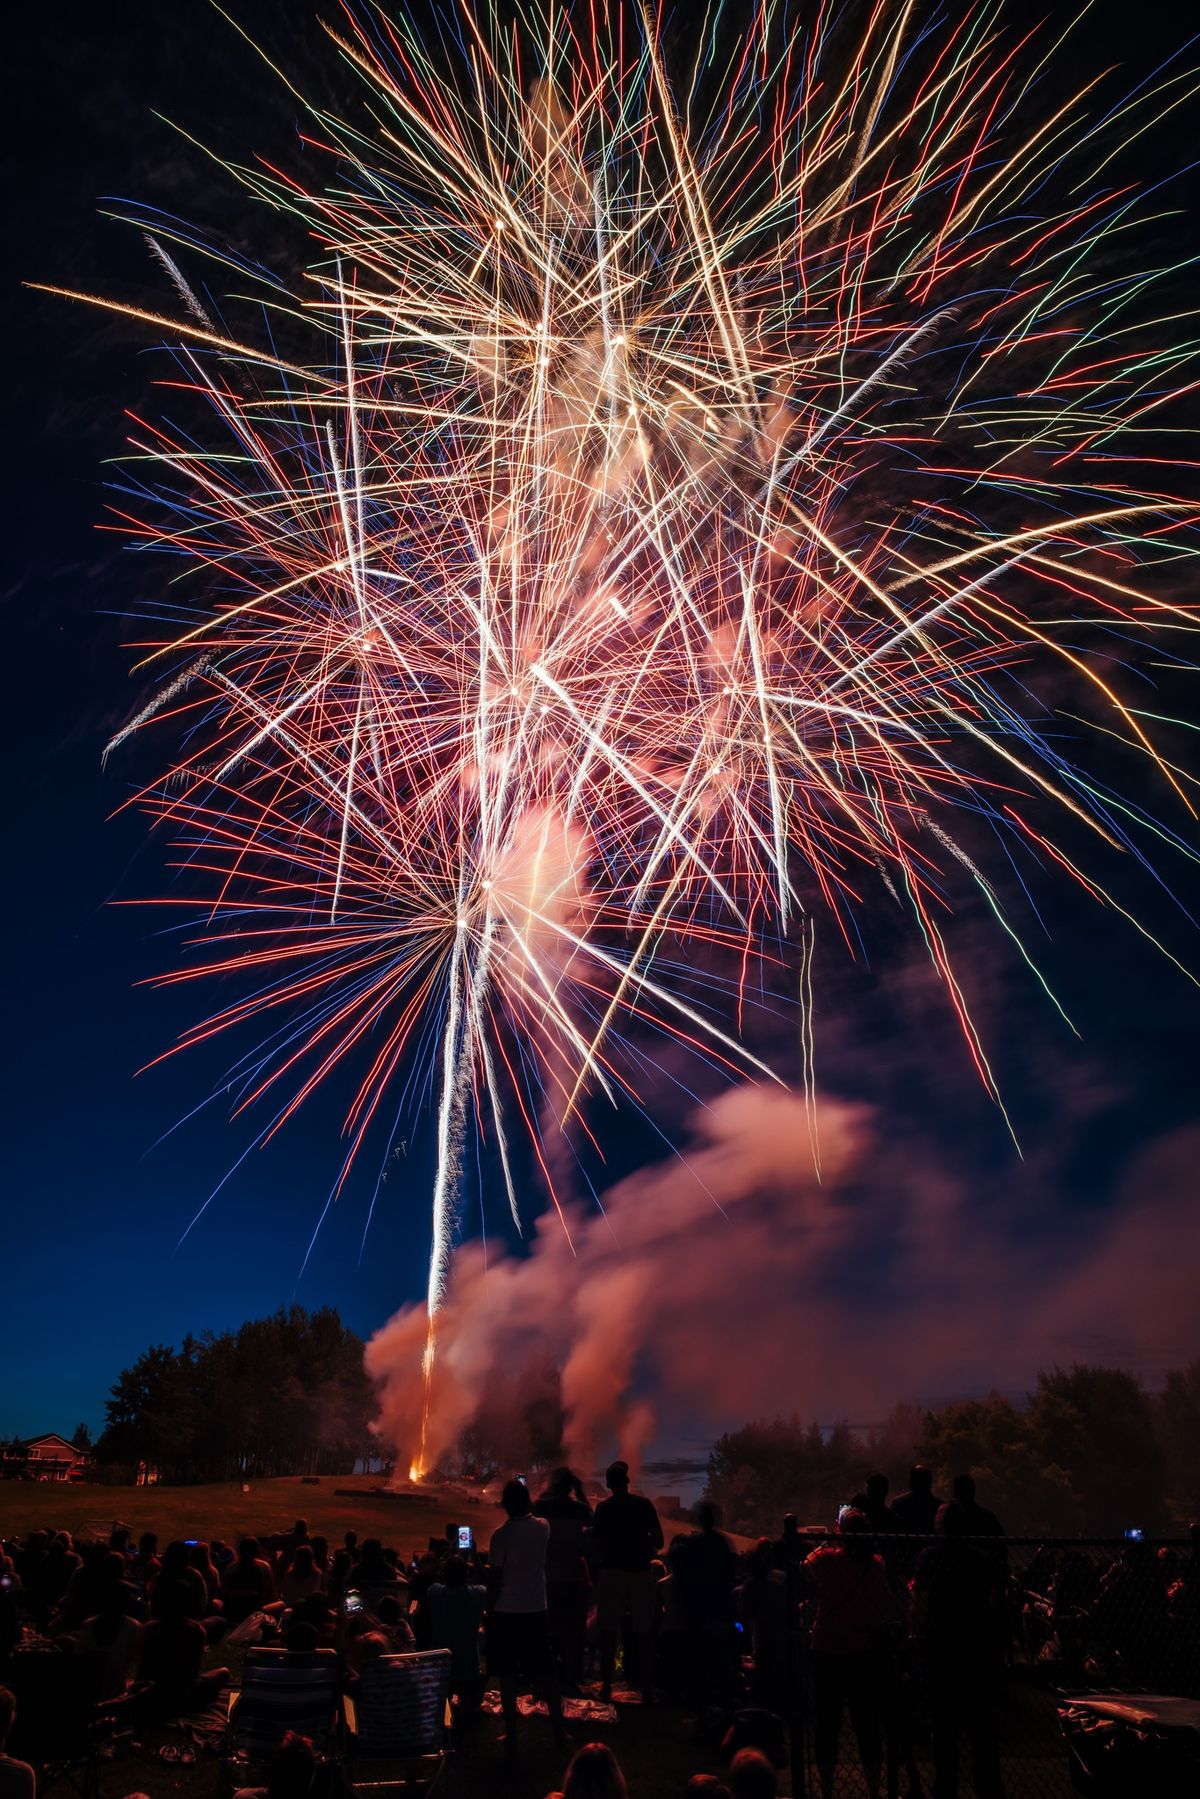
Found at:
[177, 277]
[153, 707]
[639, 543]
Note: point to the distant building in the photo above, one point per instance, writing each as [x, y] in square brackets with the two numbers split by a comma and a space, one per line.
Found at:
[49, 1457]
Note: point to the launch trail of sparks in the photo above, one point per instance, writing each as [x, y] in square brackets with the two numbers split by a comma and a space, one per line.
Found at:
[654, 521]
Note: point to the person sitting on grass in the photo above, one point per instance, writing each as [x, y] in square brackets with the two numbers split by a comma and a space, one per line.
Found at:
[284, 1547]
[115, 1634]
[593, 1773]
[302, 1638]
[374, 1571]
[302, 1577]
[248, 1584]
[318, 1612]
[177, 1571]
[146, 1566]
[292, 1774]
[30, 1556]
[17, 1779]
[200, 1559]
[706, 1786]
[172, 1653]
[89, 1589]
[751, 1775]
[363, 1651]
[394, 1625]
[339, 1576]
[10, 1610]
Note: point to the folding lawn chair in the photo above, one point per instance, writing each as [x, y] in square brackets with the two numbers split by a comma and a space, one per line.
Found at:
[400, 1716]
[281, 1691]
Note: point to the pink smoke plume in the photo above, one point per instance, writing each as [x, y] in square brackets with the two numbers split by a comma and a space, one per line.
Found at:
[732, 1282]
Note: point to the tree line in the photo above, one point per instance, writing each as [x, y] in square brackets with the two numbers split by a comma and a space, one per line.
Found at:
[281, 1395]
[1089, 1453]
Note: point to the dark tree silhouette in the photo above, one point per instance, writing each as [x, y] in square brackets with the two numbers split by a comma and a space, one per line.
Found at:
[281, 1395]
[1090, 1452]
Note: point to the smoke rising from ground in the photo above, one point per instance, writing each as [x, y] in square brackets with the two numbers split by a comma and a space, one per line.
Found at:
[730, 1282]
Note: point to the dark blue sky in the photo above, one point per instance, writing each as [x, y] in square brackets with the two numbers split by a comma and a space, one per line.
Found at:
[91, 1267]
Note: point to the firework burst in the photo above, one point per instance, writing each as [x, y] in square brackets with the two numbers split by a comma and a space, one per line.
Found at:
[682, 454]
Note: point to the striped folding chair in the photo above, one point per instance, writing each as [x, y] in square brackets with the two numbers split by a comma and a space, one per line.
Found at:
[401, 1716]
[280, 1691]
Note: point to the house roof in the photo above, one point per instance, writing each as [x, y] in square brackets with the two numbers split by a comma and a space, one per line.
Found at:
[46, 1438]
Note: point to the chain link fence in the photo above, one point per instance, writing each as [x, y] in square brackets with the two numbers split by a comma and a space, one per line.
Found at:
[1069, 1618]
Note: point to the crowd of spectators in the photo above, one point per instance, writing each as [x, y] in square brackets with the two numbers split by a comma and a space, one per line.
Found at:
[900, 1619]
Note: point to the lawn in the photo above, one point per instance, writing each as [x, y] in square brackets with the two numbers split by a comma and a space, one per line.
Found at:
[225, 1511]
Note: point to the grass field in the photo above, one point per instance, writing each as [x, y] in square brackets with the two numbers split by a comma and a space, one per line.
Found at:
[225, 1511]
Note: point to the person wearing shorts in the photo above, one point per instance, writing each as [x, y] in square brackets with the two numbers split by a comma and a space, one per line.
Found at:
[628, 1536]
[518, 1632]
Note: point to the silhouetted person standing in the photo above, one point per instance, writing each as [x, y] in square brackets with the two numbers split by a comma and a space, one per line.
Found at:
[763, 1601]
[565, 1508]
[789, 1549]
[957, 1625]
[628, 1536]
[788, 1552]
[876, 1505]
[518, 1637]
[979, 1521]
[895, 1685]
[854, 1606]
[455, 1613]
[705, 1567]
[916, 1511]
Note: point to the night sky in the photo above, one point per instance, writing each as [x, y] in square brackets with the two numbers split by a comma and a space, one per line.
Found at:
[93, 1267]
